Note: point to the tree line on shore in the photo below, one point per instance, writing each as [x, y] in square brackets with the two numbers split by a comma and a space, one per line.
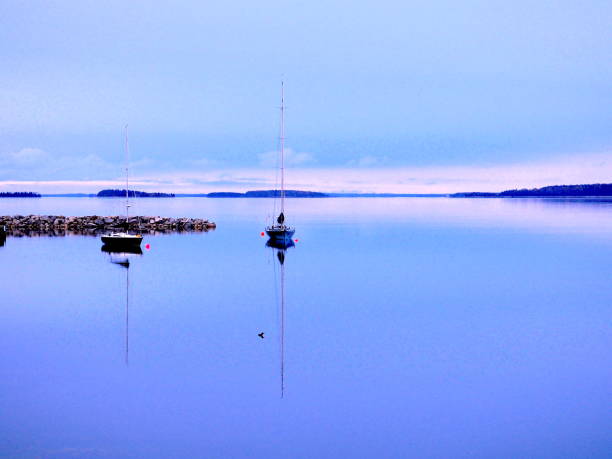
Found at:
[19, 194]
[597, 189]
[132, 194]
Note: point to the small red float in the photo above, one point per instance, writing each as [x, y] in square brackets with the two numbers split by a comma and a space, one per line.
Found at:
[262, 233]
[148, 246]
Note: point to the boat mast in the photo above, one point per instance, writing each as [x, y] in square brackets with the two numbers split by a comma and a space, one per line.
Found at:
[127, 193]
[282, 142]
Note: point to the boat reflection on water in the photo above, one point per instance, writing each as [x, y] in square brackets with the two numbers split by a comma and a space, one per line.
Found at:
[122, 258]
[280, 247]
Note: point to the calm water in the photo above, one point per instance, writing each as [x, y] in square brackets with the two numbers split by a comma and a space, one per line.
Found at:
[412, 328]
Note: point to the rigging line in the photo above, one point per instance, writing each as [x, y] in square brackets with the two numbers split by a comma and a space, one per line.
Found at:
[127, 182]
[276, 172]
[275, 197]
[282, 140]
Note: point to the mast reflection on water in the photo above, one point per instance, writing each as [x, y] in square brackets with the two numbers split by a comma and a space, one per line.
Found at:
[280, 248]
[122, 258]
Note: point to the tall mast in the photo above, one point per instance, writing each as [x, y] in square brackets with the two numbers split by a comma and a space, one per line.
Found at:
[282, 142]
[127, 183]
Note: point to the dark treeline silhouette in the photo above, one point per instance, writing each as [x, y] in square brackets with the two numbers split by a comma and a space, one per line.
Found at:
[19, 194]
[133, 194]
[597, 189]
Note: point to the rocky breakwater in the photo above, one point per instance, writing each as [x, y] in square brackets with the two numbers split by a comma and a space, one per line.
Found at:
[96, 224]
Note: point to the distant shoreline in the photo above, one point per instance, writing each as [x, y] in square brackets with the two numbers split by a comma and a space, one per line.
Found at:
[248, 194]
[598, 190]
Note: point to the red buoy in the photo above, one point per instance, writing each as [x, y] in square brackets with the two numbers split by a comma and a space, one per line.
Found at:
[148, 246]
[296, 240]
[262, 233]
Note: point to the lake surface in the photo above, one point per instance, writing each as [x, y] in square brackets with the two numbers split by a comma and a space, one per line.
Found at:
[413, 327]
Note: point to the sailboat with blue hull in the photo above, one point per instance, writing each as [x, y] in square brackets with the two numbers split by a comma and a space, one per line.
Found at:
[279, 232]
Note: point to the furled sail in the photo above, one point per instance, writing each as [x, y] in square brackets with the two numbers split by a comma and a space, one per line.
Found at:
[281, 218]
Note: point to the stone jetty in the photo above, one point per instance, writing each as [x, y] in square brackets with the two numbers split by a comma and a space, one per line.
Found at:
[97, 224]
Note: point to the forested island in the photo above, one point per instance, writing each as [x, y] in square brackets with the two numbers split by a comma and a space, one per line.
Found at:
[19, 194]
[597, 189]
[132, 194]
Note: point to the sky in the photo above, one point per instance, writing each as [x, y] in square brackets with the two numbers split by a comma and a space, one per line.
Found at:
[430, 96]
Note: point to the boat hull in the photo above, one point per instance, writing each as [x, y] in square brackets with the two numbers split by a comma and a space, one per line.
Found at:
[282, 235]
[122, 242]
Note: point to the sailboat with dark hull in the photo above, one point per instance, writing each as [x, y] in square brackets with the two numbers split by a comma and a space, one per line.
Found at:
[124, 240]
[279, 232]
